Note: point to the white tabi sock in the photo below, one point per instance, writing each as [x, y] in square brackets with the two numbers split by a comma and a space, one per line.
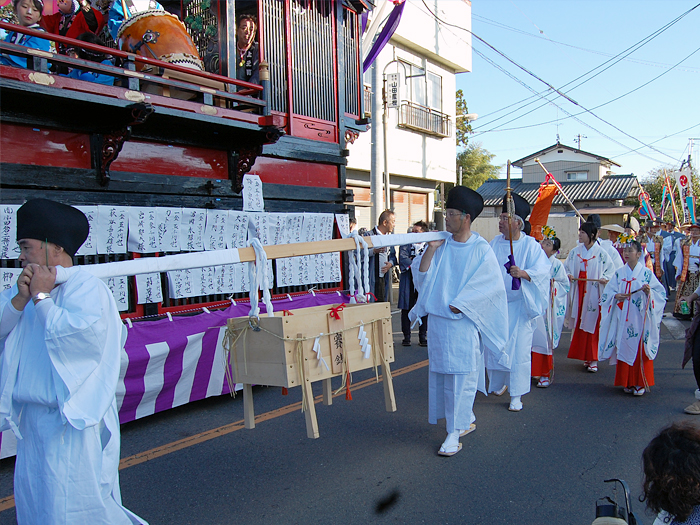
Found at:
[452, 439]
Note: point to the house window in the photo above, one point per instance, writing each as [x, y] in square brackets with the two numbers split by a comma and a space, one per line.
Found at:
[576, 175]
[434, 91]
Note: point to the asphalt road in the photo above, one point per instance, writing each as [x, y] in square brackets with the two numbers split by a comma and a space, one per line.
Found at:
[197, 464]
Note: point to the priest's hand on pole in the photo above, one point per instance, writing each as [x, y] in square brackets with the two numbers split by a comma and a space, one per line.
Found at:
[43, 279]
[23, 296]
[646, 289]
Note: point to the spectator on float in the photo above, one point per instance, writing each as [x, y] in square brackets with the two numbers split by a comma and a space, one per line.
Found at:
[672, 474]
[28, 14]
[353, 224]
[248, 54]
[72, 20]
[87, 54]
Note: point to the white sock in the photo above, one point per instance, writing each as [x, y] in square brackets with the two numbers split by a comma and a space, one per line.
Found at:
[697, 395]
[452, 439]
[514, 400]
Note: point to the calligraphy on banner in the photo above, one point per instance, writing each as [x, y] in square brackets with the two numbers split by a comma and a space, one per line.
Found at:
[8, 235]
[119, 286]
[8, 277]
[89, 247]
[253, 193]
[112, 229]
[148, 288]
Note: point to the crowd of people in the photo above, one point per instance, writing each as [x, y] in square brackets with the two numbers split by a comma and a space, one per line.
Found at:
[611, 293]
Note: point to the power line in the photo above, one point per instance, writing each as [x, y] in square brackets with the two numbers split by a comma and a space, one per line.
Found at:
[562, 94]
[596, 107]
[628, 52]
[651, 63]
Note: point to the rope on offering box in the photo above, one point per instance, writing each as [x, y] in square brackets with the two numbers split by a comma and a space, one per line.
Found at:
[233, 335]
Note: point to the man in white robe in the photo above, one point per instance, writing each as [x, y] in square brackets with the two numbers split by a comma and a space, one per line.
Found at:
[460, 289]
[526, 279]
[632, 306]
[59, 366]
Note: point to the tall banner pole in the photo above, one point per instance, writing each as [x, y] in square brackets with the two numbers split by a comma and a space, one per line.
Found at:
[561, 190]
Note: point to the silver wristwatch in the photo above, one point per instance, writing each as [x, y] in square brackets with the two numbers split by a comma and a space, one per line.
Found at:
[40, 296]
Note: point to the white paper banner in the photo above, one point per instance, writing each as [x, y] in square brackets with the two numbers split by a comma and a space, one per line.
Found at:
[143, 230]
[169, 223]
[8, 234]
[192, 229]
[119, 287]
[8, 277]
[253, 193]
[216, 233]
[148, 288]
[112, 228]
[89, 247]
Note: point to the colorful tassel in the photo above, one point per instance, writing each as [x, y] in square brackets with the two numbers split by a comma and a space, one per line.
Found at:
[348, 394]
[284, 391]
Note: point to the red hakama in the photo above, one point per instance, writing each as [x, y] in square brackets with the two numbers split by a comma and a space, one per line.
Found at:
[542, 365]
[629, 376]
[584, 346]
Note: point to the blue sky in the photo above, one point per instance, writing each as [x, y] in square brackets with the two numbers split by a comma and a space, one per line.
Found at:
[560, 40]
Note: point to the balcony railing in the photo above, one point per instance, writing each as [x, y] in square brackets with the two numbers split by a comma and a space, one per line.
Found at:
[424, 119]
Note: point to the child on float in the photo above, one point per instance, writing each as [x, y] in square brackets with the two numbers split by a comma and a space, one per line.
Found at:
[72, 19]
[548, 327]
[588, 267]
[87, 54]
[28, 14]
[632, 306]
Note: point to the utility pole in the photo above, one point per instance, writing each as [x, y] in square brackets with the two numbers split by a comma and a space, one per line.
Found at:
[578, 138]
[375, 161]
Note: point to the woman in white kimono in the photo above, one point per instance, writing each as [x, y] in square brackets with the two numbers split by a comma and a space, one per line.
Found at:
[589, 266]
[632, 305]
[548, 327]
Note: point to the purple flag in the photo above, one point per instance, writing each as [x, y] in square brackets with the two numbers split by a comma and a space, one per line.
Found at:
[387, 31]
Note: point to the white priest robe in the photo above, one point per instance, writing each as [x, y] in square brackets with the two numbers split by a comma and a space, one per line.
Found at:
[524, 306]
[463, 275]
[614, 256]
[548, 327]
[623, 323]
[59, 368]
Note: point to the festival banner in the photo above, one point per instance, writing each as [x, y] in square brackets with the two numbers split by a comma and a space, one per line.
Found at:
[685, 188]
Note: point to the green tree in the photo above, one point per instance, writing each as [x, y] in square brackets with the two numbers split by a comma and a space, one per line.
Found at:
[462, 126]
[475, 162]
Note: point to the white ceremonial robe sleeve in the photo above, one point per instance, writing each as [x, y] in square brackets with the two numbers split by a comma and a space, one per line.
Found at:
[536, 290]
[83, 339]
[655, 312]
[9, 316]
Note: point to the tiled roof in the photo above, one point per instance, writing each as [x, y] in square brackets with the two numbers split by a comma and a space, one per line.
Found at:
[611, 187]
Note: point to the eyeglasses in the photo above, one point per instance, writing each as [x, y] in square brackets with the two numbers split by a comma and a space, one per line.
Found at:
[451, 214]
[503, 218]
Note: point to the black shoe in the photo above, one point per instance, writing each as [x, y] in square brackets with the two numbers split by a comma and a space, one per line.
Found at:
[423, 343]
[406, 342]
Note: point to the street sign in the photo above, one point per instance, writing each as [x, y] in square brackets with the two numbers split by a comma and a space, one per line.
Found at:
[393, 84]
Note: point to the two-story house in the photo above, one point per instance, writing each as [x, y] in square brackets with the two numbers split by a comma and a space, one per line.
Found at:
[421, 148]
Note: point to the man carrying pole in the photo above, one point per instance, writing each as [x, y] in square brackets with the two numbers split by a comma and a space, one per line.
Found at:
[460, 290]
[525, 270]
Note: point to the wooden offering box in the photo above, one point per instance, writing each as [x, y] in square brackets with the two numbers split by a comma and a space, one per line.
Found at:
[281, 353]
